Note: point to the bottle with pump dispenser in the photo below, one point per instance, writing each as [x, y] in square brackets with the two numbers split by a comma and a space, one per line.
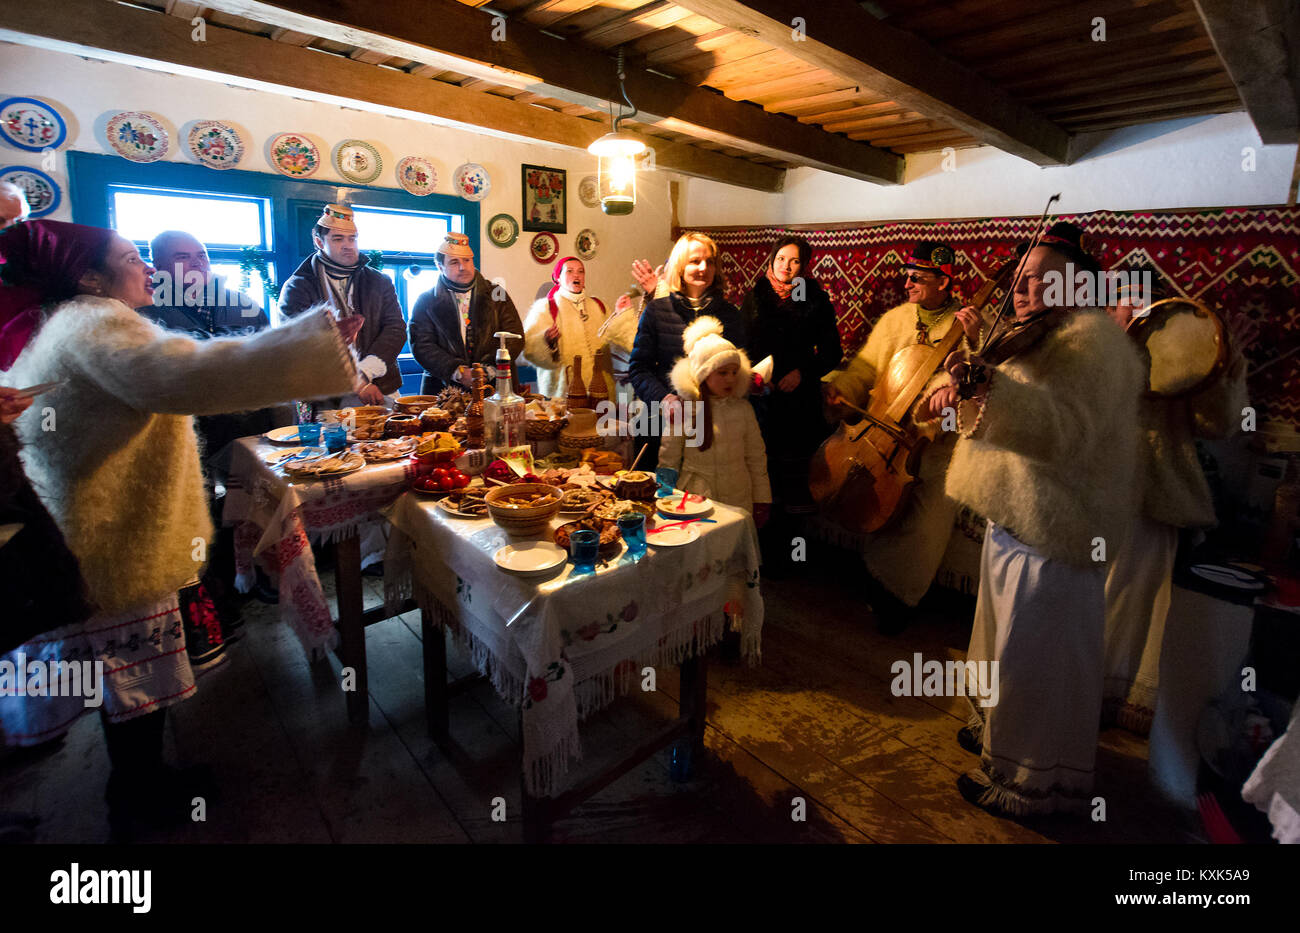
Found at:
[503, 414]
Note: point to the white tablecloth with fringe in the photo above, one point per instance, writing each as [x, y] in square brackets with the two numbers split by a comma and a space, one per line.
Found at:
[277, 519]
[567, 646]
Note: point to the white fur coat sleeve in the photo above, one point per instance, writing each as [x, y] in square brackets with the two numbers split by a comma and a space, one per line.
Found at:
[536, 324]
[154, 370]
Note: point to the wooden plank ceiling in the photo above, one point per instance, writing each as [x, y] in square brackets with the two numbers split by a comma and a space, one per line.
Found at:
[1037, 57]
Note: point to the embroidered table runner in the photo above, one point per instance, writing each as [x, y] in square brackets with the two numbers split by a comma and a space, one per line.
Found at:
[565, 647]
[277, 518]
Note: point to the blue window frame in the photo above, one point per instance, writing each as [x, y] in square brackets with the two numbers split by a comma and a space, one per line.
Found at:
[288, 212]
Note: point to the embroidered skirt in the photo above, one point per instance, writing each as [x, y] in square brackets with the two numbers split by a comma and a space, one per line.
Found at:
[1139, 587]
[1042, 621]
[145, 667]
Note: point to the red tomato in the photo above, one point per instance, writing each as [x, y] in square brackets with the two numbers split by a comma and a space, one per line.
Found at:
[461, 480]
[439, 472]
[446, 482]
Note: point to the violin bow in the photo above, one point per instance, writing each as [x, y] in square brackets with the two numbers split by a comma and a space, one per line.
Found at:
[1009, 297]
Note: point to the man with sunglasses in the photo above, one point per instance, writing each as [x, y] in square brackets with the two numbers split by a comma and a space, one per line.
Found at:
[903, 558]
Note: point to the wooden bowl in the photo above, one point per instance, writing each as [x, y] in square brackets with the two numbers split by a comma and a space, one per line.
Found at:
[525, 519]
[415, 404]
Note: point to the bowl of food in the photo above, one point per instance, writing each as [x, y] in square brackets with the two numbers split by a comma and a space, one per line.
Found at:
[401, 425]
[636, 485]
[415, 404]
[365, 422]
[436, 419]
[523, 508]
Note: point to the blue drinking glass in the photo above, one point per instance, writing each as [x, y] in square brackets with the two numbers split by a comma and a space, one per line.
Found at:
[584, 548]
[309, 435]
[667, 478]
[335, 437]
[632, 526]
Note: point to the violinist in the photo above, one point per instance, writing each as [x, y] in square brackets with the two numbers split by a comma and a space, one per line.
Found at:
[1047, 452]
[903, 558]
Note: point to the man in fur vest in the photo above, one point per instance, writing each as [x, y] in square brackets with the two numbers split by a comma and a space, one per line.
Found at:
[338, 274]
[453, 323]
[903, 558]
[1047, 452]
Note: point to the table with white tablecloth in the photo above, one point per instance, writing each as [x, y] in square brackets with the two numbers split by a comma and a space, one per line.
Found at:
[566, 646]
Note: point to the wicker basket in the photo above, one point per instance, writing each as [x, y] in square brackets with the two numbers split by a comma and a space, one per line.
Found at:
[537, 430]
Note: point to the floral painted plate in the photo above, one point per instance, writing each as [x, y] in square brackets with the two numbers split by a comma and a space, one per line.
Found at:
[216, 144]
[358, 161]
[138, 136]
[31, 124]
[545, 247]
[586, 244]
[471, 182]
[589, 191]
[503, 230]
[41, 190]
[417, 175]
[295, 155]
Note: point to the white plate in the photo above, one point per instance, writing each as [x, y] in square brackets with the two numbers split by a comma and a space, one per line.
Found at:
[279, 456]
[530, 558]
[286, 435]
[693, 508]
[673, 537]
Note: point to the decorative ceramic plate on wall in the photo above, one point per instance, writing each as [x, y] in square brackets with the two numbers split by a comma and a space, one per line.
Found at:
[589, 191]
[358, 161]
[138, 136]
[586, 244]
[545, 247]
[417, 175]
[503, 230]
[295, 155]
[31, 124]
[41, 190]
[216, 144]
[471, 182]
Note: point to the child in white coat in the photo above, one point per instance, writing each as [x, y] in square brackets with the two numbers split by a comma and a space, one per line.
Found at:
[729, 465]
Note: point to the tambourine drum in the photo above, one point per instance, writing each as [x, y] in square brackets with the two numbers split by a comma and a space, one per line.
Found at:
[1184, 345]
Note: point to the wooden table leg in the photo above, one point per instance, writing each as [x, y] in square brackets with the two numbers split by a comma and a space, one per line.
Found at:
[692, 703]
[352, 630]
[435, 676]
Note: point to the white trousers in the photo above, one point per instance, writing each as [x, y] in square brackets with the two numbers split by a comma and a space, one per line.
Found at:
[1042, 621]
[1138, 590]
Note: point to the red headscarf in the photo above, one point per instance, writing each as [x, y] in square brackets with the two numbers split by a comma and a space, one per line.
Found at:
[41, 262]
[556, 272]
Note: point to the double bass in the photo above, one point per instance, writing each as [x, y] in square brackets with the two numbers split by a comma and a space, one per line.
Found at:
[863, 473]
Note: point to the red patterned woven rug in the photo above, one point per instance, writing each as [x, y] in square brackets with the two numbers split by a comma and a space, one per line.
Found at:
[1242, 262]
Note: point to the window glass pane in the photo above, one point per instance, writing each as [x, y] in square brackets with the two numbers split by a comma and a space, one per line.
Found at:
[140, 216]
[418, 284]
[230, 272]
[400, 231]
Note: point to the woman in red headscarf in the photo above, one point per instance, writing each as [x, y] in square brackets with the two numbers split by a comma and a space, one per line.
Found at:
[567, 323]
[111, 450]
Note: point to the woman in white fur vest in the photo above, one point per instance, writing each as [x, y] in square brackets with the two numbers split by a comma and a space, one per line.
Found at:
[112, 451]
[725, 459]
[1047, 453]
[568, 322]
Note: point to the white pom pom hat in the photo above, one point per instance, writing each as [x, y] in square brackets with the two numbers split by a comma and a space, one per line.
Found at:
[706, 351]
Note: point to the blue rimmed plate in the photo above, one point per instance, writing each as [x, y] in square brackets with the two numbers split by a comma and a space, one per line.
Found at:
[31, 124]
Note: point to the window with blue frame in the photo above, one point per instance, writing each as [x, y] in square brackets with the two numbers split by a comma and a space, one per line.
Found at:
[232, 211]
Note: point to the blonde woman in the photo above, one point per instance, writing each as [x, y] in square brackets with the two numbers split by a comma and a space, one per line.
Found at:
[695, 288]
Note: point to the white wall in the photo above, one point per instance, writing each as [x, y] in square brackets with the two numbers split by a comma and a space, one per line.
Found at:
[1176, 164]
[87, 92]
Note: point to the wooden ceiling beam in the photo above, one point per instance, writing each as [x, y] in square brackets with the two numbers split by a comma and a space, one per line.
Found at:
[847, 41]
[1258, 42]
[459, 37]
[120, 33]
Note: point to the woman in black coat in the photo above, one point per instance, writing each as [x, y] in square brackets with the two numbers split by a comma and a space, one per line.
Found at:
[695, 288]
[789, 318]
